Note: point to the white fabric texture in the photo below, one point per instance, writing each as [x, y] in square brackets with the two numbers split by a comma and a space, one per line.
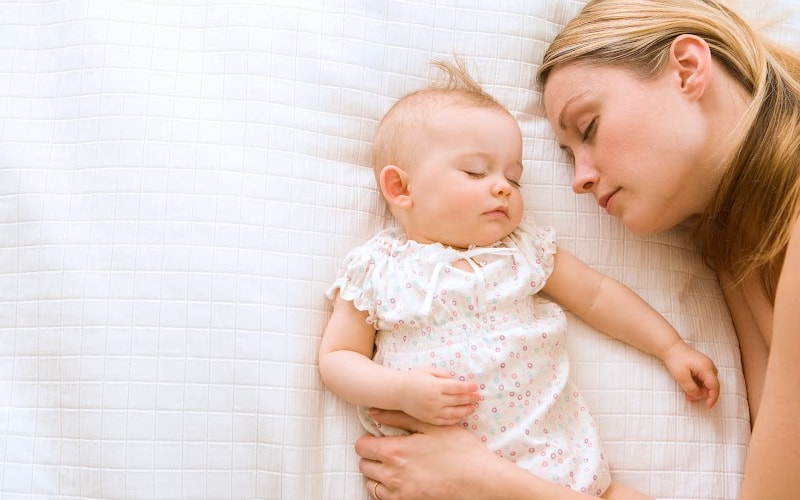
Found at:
[179, 180]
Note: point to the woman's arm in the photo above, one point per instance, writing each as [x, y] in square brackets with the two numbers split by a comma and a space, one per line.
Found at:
[752, 344]
[773, 458]
[442, 463]
[618, 311]
[347, 369]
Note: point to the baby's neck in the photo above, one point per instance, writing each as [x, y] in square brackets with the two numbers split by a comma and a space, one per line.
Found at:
[463, 265]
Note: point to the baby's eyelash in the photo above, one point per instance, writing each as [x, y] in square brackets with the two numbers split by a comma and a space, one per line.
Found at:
[589, 129]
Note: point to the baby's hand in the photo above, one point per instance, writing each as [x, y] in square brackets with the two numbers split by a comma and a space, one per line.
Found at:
[431, 395]
[694, 371]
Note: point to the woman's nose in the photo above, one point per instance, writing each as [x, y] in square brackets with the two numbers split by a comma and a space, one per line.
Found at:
[585, 177]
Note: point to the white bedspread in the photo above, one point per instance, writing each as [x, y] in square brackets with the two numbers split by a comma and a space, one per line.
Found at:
[178, 183]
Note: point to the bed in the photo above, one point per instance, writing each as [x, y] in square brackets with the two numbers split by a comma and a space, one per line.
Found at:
[179, 181]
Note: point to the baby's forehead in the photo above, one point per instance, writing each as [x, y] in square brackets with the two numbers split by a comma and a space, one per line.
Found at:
[419, 108]
[425, 101]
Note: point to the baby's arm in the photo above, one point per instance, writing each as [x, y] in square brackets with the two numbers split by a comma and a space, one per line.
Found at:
[347, 369]
[615, 309]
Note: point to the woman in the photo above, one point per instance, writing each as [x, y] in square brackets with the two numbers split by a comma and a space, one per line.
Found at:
[685, 88]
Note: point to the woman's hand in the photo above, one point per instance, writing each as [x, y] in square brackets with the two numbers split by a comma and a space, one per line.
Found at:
[448, 462]
[435, 462]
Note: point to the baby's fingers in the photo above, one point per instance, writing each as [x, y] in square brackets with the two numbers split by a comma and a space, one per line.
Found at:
[713, 396]
[455, 414]
[710, 382]
[690, 385]
[462, 399]
[456, 387]
[704, 385]
[693, 391]
[456, 407]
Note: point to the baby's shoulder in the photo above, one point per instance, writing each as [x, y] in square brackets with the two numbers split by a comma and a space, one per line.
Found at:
[532, 235]
[381, 247]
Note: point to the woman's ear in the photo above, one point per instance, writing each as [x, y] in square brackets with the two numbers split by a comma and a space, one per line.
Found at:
[690, 57]
[393, 182]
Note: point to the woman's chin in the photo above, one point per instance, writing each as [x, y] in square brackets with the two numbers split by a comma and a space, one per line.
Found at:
[641, 226]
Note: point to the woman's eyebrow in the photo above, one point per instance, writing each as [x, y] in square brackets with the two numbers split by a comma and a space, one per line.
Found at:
[570, 102]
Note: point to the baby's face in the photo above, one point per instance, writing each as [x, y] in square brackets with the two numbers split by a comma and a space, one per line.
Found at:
[465, 186]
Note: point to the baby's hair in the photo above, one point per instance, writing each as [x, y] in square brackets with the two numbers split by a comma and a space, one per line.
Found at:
[403, 126]
[459, 83]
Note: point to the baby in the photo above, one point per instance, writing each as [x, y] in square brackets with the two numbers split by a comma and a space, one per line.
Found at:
[445, 318]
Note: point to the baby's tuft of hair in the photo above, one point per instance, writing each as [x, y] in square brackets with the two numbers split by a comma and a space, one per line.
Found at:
[399, 138]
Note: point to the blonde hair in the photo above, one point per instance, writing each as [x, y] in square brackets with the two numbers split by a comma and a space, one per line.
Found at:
[747, 225]
[404, 125]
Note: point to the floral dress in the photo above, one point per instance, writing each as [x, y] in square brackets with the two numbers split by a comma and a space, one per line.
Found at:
[488, 325]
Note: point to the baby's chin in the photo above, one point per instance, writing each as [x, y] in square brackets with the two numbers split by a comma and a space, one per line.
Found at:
[477, 242]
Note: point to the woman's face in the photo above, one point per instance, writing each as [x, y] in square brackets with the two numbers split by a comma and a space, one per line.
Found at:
[639, 146]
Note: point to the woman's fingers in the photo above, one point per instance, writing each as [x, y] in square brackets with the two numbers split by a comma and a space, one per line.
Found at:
[372, 466]
[377, 490]
[368, 448]
[370, 469]
[398, 419]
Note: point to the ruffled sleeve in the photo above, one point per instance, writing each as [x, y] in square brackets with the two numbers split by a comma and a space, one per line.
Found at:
[537, 244]
[359, 273]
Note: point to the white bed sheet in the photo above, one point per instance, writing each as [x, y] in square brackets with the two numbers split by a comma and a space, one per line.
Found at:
[178, 183]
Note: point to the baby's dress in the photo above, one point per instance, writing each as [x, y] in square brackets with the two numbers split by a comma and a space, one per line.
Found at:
[489, 326]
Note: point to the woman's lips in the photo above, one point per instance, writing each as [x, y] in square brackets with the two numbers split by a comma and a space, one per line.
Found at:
[606, 200]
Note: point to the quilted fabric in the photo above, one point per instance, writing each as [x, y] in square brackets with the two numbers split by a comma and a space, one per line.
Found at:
[178, 183]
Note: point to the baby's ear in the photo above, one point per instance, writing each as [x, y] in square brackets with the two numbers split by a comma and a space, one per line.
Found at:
[393, 181]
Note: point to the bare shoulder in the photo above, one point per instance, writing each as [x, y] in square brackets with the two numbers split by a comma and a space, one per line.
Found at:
[785, 339]
[788, 292]
[774, 454]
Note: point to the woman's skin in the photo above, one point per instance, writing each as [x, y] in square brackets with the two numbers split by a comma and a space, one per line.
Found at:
[623, 132]
[448, 462]
[682, 127]
[650, 151]
[773, 458]
[698, 106]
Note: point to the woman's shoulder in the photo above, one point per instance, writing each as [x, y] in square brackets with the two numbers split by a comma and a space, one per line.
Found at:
[790, 273]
